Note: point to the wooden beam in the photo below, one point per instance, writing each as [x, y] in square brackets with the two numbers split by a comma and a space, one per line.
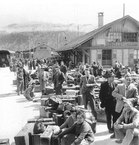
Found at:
[86, 53]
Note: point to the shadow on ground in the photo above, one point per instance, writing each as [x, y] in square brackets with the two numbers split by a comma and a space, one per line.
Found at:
[8, 95]
[35, 106]
[101, 133]
[22, 100]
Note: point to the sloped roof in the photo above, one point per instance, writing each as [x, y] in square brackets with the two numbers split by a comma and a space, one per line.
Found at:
[84, 38]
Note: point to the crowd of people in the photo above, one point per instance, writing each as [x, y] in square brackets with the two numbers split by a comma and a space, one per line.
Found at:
[118, 100]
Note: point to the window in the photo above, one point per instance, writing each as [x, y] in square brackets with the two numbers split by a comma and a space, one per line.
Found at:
[114, 37]
[130, 37]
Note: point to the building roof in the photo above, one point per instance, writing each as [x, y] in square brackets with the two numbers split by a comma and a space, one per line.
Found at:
[84, 38]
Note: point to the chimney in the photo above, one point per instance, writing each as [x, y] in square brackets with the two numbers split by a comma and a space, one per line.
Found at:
[100, 19]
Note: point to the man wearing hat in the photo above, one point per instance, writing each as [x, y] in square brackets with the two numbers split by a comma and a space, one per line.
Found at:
[107, 100]
[127, 125]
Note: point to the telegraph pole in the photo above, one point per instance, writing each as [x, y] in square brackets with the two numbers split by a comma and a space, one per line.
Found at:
[123, 10]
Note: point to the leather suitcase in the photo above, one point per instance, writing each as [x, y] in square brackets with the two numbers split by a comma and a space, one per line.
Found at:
[58, 118]
[34, 139]
[44, 101]
[14, 82]
[44, 113]
[46, 137]
[22, 137]
[37, 88]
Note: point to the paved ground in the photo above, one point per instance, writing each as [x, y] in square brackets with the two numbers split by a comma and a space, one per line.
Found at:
[16, 110]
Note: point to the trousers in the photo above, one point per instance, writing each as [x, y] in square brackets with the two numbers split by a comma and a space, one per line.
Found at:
[126, 135]
[89, 99]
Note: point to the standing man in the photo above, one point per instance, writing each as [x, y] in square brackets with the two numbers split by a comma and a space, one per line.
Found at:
[63, 68]
[58, 79]
[87, 83]
[108, 101]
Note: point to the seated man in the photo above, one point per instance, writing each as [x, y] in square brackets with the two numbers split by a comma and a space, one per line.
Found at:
[127, 125]
[79, 133]
[70, 120]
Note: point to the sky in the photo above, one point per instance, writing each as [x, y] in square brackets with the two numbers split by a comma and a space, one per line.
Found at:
[65, 11]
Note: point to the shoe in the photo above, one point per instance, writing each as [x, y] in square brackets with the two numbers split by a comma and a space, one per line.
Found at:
[112, 136]
[119, 141]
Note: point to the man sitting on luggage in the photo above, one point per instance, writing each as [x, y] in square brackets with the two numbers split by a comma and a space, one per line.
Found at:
[79, 134]
[127, 125]
[70, 120]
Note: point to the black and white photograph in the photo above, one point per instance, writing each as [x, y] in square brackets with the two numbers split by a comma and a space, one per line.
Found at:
[69, 72]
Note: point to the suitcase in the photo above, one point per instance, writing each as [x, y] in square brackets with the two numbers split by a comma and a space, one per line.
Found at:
[14, 82]
[58, 118]
[40, 120]
[34, 139]
[49, 90]
[46, 137]
[37, 88]
[44, 113]
[44, 101]
[4, 141]
[22, 137]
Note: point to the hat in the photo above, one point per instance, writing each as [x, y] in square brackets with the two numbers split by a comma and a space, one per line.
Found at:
[108, 74]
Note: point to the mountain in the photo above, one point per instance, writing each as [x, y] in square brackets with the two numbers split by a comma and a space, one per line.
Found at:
[20, 37]
[36, 26]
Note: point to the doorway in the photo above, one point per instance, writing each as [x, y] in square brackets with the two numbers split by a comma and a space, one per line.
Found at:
[107, 57]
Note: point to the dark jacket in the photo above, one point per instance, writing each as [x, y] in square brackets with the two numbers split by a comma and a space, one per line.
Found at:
[105, 95]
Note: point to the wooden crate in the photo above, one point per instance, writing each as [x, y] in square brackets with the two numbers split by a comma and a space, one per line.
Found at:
[22, 137]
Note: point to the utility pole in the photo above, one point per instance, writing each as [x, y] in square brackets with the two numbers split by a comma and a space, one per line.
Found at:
[123, 10]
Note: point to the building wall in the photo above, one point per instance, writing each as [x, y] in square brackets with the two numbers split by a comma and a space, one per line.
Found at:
[121, 51]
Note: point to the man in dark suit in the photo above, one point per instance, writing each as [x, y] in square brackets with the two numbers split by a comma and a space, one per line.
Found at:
[127, 125]
[107, 100]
